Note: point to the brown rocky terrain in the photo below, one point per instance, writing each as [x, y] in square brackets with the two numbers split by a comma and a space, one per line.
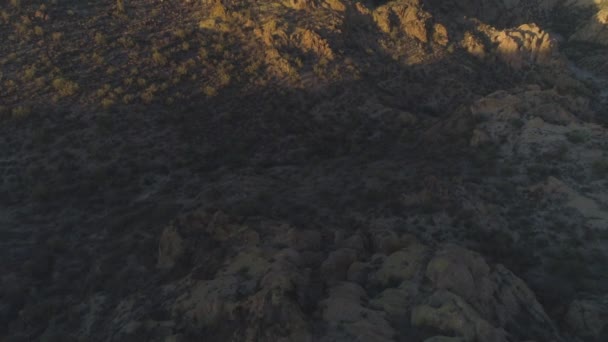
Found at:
[304, 170]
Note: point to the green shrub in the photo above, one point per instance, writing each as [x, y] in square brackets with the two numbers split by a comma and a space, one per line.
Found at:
[600, 167]
[65, 87]
[577, 137]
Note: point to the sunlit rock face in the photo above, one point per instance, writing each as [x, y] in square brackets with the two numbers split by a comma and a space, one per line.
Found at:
[525, 45]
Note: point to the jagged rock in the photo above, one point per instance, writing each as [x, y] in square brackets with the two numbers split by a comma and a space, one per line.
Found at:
[440, 35]
[449, 313]
[589, 317]
[336, 5]
[502, 109]
[525, 45]
[299, 4]
[309, 41]
[414, 22]
[382, 18]
[473, 45]
[496, 294]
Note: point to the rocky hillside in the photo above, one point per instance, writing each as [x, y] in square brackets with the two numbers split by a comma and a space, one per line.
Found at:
[304, 170]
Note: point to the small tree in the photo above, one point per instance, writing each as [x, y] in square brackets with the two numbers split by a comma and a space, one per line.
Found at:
[120, 6]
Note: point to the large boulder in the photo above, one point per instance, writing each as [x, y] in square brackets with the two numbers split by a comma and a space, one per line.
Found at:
[526, 45]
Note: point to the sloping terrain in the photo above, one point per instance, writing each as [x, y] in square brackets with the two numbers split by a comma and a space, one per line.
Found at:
[304, 170]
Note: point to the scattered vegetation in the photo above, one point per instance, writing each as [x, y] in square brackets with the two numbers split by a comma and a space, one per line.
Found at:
[577, 136]
[65, 87]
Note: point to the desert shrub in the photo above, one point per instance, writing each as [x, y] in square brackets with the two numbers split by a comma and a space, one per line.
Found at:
[120, 6]
[65, 87]
[577, 136]
[517, 122]
[56, 36]
[100, 38]
[128, 98]
[107, 102]
[209, 91]
[158, 58]
[97, 59]
[20, 112]
[600, 167]
[29, 72]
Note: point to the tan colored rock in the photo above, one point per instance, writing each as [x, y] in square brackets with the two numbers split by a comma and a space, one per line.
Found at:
[473, 45]
[274, 301]
[336, 5]
[299, 4]
[440, 35]
[414, 23]
[382, 19]
[525, 45]
[309, 41]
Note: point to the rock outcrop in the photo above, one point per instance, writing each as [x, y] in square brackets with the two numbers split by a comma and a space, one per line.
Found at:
[274, 291]
[525, 45]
